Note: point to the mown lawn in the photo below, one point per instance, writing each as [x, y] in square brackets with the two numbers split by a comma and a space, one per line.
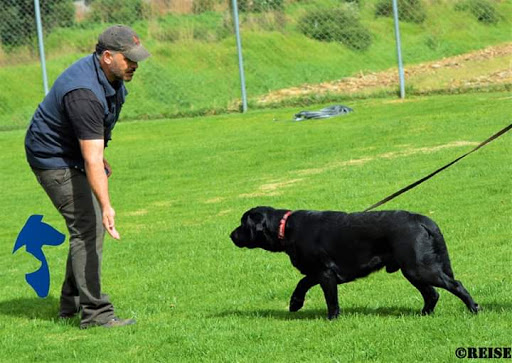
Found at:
[179, 187]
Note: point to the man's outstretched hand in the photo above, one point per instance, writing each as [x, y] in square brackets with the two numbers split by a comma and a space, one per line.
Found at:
[108, 222]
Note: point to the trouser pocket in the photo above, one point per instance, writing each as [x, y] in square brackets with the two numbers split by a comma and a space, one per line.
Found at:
[51, 177]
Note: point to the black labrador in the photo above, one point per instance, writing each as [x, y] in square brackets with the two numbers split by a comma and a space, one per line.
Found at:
[332, 248]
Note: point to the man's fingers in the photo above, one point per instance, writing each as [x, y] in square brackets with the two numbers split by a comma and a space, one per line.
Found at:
[108, 223]
[114, 233]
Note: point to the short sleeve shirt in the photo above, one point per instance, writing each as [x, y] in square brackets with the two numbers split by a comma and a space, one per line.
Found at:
[86, 113]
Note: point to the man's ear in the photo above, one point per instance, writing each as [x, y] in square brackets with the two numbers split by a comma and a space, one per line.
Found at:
[108, 57]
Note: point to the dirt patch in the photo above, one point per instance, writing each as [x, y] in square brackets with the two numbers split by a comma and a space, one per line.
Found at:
[214, 200]
[162, 203]
[425, 150]
[389, 78]
[136, 213]
[275, 188]
[224, 212]
[271, 189]
[334, 165]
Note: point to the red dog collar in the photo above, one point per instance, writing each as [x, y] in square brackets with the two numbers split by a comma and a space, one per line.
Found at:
[282, 224]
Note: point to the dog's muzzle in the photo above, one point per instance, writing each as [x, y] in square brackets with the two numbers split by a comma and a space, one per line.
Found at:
[235, 238]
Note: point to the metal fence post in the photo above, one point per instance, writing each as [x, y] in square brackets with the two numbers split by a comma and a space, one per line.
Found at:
[399, 50]
[240, 58]
[41, 45]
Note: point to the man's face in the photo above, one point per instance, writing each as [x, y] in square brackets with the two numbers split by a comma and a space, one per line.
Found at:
[121, 68]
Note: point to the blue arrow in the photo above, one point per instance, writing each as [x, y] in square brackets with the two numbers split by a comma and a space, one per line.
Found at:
[34, 235]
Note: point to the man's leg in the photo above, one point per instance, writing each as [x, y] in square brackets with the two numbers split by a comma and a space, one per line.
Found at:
[69, 298]
[71, 194]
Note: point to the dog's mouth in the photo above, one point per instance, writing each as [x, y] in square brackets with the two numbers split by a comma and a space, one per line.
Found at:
[239, 239]
[235, 238]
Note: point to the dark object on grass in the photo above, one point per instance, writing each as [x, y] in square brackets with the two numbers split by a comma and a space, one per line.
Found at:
[332, 248]
[327, 112]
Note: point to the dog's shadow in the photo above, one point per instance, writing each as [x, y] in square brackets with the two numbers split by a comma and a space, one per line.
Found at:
[389, 311]
[31, 308]
[496, 306]
[315, 314]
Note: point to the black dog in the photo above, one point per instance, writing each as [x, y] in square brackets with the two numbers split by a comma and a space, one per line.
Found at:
[332, 248]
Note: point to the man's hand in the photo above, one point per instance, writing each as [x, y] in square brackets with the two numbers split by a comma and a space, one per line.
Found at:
[108, 222]
[95, 165]
[108, 168]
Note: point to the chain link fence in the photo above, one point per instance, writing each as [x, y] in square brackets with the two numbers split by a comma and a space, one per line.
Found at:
[294, 50]
[316, 50]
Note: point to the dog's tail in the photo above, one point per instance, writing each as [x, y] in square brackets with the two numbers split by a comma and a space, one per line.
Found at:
[438, 244]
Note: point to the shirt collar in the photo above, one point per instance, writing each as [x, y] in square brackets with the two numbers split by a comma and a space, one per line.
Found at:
[107, 86]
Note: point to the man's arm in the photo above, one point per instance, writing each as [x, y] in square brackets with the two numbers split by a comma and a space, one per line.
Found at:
[86, 114]
[92, 152]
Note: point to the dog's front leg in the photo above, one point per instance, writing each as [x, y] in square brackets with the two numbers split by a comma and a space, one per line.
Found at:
[299, 294]
[329, 285]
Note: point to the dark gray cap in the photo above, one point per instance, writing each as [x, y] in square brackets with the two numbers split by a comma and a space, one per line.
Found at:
[121, 38]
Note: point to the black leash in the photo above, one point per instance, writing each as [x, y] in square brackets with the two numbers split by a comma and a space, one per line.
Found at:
[416, 183]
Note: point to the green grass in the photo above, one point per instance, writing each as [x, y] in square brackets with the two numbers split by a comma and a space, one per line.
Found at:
[194, 68]
[179, 187]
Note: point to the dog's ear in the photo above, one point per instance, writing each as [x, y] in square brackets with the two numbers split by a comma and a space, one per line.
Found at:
[257, 220]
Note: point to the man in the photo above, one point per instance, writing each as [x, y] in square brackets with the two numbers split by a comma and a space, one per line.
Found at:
[64, 146]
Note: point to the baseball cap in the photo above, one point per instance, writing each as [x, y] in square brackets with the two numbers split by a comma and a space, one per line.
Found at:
[123, 39]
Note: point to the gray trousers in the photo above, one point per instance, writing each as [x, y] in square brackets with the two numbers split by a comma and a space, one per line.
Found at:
[71, 194]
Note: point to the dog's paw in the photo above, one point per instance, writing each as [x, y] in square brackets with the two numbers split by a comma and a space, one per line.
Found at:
[333, 315]
[426, 312]
[296, 304]
[475, 309]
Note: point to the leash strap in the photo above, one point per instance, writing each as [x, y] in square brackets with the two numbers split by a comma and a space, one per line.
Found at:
[416, 183]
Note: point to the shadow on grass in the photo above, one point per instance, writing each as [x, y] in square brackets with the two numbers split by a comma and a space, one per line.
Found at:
[496, 307]
[389, 311]
[31, 308]
[305, 314]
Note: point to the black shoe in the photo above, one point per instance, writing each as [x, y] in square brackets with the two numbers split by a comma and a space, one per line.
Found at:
[68, 315]
[112, 323]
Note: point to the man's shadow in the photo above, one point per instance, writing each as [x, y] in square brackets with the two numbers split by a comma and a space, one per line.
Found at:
[31, 308]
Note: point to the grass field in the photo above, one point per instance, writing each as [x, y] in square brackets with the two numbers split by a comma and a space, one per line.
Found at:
[179, 187]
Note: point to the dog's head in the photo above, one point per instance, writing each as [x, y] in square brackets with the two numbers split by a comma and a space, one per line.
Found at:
[258, 228]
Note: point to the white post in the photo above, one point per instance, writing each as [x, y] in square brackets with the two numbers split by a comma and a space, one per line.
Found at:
[399, 50]
[41, 45]
[240, 58]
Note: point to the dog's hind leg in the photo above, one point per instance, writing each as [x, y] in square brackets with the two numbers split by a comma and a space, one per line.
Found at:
[329, 284]
[430, 295]
[439, 278]
[299, 294]
[456, 288]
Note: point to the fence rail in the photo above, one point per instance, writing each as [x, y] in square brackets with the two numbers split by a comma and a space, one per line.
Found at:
[305, 49]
